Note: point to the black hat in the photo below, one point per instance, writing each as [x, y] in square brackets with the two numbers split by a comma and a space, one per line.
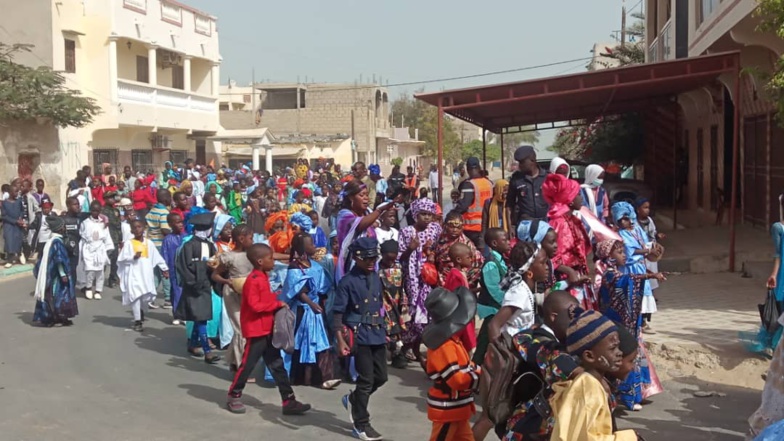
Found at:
[450, 313]
[524, 152]
[364, 248]
[472, 162]
[55, 223]
[202, 222]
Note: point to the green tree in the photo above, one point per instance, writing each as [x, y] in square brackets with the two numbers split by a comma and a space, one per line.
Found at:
[474, 148]
[28, 93]
[514, 140]
[771, 14]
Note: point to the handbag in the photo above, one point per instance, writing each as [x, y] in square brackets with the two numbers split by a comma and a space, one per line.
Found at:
[429, 274]
[770, 312]
[283, 330]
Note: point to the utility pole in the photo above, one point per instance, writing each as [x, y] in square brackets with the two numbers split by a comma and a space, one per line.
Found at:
[252, 97]
[623, 24]
[353, 141]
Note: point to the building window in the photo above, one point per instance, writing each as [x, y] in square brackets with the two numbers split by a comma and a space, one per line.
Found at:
[141, 160]
[282, 99]
[178, 157]
[104, 156]
[178, 77]
[705, 9]
[223, 106]
[142, 69]
[70, 56]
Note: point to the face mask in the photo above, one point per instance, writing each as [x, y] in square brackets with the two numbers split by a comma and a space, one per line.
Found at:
[598, 182]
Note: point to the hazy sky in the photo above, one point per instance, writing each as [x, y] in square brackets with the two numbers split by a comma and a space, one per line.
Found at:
[405, 40]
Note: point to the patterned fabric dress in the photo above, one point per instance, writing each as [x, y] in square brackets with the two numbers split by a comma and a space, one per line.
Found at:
[573, 248]
[416, 289]
[621, 301]
[394, 300]
[444, 262]
[59, 302]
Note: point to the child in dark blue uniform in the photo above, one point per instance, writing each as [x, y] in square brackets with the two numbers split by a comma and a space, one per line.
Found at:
[359, 310]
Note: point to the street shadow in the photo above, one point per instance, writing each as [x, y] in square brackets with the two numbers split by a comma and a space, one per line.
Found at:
[26, 318]
[419, 402]
[713, 418]
[271, 411]
[123, 322]
[194, 364]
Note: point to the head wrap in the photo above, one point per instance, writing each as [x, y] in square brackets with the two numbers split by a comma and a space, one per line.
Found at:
[497, 210]
[273, 218]
[623, 209]
[592, 173]
[586, 330]
[423, 205]
[185, 185]
[556, 163]
[302, 220]
[298, 183]
[515, 276]
[374, 169]
[533, 230]
[640, 200]
[220, 222]
[559, 192]
[604, 248]
[55, 223]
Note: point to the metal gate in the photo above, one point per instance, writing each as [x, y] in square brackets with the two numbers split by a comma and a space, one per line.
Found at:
[755, 170]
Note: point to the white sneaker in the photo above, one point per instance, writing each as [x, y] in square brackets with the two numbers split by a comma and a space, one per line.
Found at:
[9, 265]
[22, 259]
[89, 294]
[97, 296]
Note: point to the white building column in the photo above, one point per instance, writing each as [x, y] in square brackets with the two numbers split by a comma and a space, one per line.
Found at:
[152, 64]
[215, 76]
[113, 68]
[268, 158]
[186, 72]
[256, 152]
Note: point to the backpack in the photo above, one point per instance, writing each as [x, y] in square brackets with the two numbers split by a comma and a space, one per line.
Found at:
[500, 373]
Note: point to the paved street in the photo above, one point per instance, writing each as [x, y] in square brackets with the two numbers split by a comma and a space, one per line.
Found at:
[98, 380]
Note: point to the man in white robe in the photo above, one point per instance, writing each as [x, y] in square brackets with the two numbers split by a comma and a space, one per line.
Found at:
[94, 247]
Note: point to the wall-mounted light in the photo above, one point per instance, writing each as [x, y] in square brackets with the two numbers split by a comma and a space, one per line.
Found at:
[129, 44]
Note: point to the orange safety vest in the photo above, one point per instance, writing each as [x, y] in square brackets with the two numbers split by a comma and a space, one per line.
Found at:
[412, 183]
[483, 190]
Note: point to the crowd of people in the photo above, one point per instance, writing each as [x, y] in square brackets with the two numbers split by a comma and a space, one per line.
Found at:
[362, 269]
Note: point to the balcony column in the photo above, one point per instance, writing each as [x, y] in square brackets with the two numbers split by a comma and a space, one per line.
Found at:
[215, 77]
[113, 68]
[268, 158]
[186, 73]
[152, 64]
[256, 154]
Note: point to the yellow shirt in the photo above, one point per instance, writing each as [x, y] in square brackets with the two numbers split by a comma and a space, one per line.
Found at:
[140, 246]
[582, 412]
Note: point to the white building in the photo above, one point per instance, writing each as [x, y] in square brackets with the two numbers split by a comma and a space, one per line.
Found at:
[151, 65]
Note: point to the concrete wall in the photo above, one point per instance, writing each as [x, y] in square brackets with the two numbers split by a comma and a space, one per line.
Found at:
[40, 140]
[716, 25]
[29, 22]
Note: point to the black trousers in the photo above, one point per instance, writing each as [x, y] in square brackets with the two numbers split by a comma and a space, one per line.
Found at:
[257, 348]
[113, 278]
[371, 365]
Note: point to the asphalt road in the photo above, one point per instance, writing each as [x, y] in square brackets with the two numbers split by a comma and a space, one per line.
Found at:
[97, 380]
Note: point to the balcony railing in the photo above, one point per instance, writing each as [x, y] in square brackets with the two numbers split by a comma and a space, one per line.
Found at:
[132, 91]
[661, 48]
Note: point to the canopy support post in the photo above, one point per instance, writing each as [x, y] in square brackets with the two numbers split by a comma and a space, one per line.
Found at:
[735, 151]
[440, 142]
[503, 160]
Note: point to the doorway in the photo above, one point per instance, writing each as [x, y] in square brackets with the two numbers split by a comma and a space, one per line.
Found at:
[201, 151]
[28, 163]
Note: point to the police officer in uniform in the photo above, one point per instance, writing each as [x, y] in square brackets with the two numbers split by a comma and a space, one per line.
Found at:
[525, 200]
[358, 314]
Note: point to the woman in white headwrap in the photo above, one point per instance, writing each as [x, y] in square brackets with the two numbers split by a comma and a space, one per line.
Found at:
[559, 166]
[594, 195]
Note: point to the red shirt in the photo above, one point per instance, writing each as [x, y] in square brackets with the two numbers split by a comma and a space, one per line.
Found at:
[142, 199]
[257, 312]
[454, 280]
[182, 214]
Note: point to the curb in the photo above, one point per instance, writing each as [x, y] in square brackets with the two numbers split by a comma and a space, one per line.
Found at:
[16, 271]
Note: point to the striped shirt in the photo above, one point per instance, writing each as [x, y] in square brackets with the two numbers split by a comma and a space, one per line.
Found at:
[156, 223]
[454, 377]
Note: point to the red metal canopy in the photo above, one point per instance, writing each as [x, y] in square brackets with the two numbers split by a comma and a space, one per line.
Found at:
[581, 96]
[504, 108]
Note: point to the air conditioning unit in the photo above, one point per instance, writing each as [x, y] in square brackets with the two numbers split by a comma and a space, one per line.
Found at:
[160, 142]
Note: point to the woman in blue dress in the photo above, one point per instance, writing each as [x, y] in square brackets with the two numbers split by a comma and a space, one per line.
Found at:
[305, 290]
[55, 297]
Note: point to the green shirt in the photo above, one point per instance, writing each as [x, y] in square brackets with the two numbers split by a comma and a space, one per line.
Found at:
[491, 279]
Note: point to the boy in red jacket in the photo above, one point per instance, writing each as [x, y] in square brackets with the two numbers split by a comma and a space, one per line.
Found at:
[257, 317]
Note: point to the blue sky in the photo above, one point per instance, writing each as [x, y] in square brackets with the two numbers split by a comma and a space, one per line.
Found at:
[405, 40]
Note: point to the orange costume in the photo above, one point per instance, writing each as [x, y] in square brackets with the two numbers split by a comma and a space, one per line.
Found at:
[450, 401]
[280, 241]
